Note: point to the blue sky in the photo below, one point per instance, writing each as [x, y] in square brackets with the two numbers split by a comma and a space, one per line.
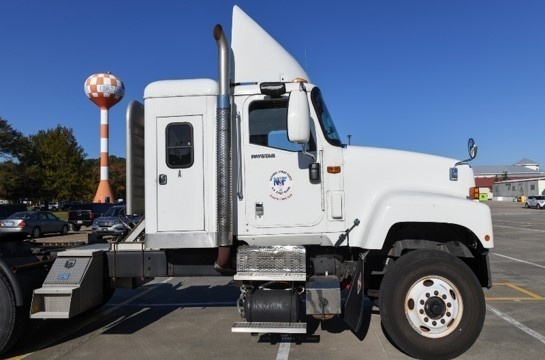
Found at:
[420, 75]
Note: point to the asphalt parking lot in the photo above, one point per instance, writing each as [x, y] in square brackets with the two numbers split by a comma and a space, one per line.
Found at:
[191, 318]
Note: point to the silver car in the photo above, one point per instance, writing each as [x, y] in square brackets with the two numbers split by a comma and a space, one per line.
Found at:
[535, 201]
[109, 224]
[33, 223]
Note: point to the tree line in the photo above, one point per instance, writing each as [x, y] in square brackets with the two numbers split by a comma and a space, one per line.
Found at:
[51, 165]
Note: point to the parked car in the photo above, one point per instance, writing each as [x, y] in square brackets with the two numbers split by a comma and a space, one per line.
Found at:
[33, 223]
[114, 222]
[53, 206]
[535, 201]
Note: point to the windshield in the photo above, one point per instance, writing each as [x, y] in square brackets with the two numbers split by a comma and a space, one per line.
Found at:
[20, 215]
[114, 211]
[326, 122]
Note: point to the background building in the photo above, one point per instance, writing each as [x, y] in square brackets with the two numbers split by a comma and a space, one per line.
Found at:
[508, 182]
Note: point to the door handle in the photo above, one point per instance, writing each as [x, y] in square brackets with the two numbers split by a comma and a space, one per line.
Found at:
[162, 179]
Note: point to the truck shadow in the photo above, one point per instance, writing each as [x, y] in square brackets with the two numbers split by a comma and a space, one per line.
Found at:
[130, 311]
[127, 312]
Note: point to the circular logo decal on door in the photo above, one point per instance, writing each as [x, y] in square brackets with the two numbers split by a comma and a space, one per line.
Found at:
[281, 184]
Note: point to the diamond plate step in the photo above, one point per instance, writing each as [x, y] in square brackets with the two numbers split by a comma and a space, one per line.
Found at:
[269, 276]
[269, 327]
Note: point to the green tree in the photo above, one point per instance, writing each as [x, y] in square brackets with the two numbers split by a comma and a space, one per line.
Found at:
[90, 183]
[50, 165]
[56, 162]
[14, 184]
[118, 177]
[12, 142]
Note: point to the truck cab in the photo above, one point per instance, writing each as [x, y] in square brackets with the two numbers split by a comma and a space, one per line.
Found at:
[277, 199]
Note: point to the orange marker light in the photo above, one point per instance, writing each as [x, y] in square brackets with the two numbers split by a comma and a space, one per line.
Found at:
[333, 169]
[474, 193]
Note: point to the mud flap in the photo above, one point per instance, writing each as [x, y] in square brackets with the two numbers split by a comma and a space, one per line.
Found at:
[354, 306]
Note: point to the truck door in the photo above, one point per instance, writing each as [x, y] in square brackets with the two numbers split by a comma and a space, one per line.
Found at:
[180, 179]
[278, 192]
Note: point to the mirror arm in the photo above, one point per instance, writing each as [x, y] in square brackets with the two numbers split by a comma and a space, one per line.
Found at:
[314, 167]
[472, 150]
[307, 153]
[465, 162]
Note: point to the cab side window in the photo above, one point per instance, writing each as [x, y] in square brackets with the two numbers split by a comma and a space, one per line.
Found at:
[179, 145]
[268, 125]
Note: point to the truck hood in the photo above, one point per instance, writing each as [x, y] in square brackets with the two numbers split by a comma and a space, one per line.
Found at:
[386, 170]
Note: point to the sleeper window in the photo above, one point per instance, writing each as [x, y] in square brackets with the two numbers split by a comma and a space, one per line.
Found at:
[179, 145]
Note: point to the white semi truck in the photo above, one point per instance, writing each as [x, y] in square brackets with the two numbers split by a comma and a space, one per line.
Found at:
[247, 177]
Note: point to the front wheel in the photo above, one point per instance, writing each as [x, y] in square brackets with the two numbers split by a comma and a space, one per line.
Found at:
[431, 305]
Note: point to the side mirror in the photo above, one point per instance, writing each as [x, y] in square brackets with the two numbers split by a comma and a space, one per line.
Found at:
[298, 117]
[471, 148]
[314, 173]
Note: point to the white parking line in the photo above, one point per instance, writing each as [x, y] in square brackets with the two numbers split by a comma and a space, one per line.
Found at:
[519, 228]
[183, 304]
[517, 324]
[283, 351]
[519, 260]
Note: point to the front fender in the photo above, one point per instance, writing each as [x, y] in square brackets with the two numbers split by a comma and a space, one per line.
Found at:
[423, 207]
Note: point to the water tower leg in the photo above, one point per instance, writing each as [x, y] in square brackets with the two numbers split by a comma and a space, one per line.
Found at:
[104, 192]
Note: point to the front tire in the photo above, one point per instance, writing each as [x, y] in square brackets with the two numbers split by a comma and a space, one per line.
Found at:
[64, 230]
[431, 305]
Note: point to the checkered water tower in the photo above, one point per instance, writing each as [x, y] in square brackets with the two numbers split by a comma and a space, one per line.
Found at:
[105, 90]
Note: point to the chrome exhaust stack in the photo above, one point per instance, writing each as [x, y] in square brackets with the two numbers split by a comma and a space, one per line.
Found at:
[224, 215]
